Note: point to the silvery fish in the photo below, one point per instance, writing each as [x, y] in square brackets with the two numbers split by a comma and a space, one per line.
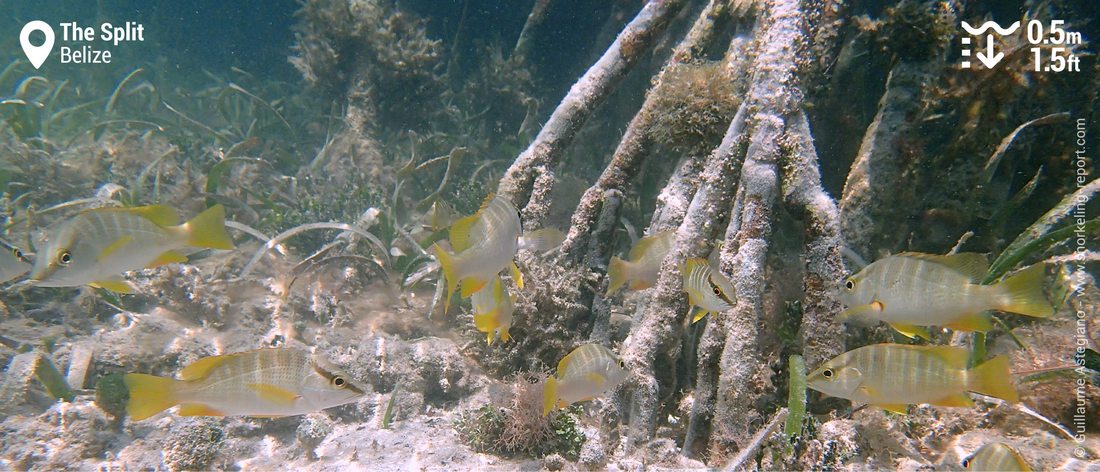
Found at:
[493, 308]
[541, 240]
[891, 376]
[708, 290]
[261, 382]
[586, 373]
[996, 457]
[911, 291]
[12, 262]
[95, 247]
[644, 264]
[484, 243]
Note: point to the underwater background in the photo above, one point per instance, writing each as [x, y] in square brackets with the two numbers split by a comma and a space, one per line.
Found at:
[564, 168]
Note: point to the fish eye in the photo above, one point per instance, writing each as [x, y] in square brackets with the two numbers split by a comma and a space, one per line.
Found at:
[849, 284]
[827, 373]
[966, 463]
[622, 365]
[17, 253]
[716, 290]
[65, 258]
[339, 382]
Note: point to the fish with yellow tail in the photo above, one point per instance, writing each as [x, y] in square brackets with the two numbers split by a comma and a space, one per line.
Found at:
[708, 290]
[996, 457]
[493, 308]
[12, 262]
[892, 376]
[485, 243]
[912, 291]
[262, 382]
[640, 272]
[585, 373]
[96, 246]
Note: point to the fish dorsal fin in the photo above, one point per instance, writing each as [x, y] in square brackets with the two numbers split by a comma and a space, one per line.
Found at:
[274, 394]
[160, 215]
[971, 264]
[563, 364]
[643, 245]
[954, 357]
[460, 234]
[115, 246]
[202, 367]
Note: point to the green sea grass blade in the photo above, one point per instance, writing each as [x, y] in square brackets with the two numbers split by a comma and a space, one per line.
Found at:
[52, 379]
[796, 397]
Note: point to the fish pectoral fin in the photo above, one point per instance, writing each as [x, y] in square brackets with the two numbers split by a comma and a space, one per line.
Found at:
[198, 409]
[979, 322]
[115, 285]
[170, 257]
[517, 276]
[697, 313]
[460, 233]
[911, 331]
[959, 399]
[114, 247]
[202, 367]
[596, 378]
[899, 408]
[274, 394]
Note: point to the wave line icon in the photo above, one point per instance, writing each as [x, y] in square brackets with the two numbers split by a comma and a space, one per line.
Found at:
[990, 24]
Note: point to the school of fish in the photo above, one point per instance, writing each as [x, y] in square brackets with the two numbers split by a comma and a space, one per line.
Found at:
[909, 291]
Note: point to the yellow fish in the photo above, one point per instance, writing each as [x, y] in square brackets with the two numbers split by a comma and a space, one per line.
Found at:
[708, 290]
[261, 382]
[485, 243]
[493, 308]
[586, 373]
[996, 457]
[95, 247]
[912, 290]
[12, 262]
[644, 264]
[891, 376]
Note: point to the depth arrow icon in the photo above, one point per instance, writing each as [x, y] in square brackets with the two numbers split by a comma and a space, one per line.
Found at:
[988, 58]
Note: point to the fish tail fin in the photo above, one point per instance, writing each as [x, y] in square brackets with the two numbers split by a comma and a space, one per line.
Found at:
[1025, 295]
[207, 229]
[619, 272]
[549, 394]
[149, 395]
[447, 263]
[994, 378]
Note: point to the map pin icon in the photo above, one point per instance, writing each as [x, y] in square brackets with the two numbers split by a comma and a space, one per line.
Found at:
[36, 54]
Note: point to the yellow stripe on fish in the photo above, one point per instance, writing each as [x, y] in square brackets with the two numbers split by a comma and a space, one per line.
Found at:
[891, 376]
[585, 373]
[261, 382]
[485, 243]
[644, 264]
[708, 290]
[95, 247]
[911, 291]
[996, 457]
[493, 308]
